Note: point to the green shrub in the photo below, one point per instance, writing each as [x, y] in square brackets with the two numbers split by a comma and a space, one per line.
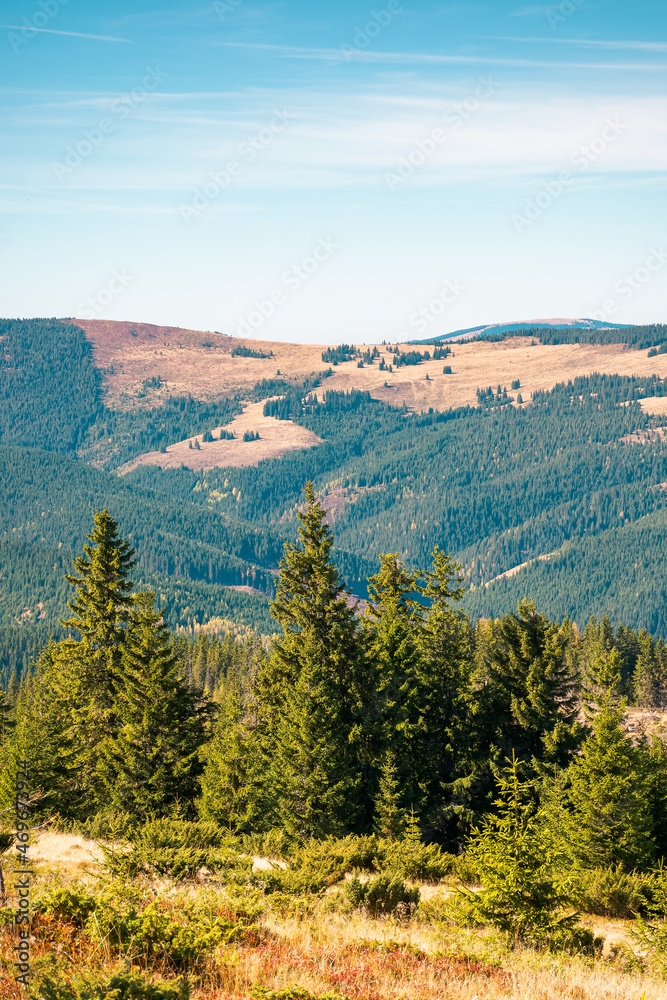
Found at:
[415, 861]
[318, 864]
[124, 986]
[112, 826]
[276, 843]
[71, 905]
[382, 894]
[179, 849]
[290, 993]
[179, 936]
[466, 870]
[614, 893]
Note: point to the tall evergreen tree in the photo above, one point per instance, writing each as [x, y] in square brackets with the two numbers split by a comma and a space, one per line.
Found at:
[610, 821]
[446, 645]
[101, 610]
[153, 761]
[531, 688]
[308, 691]
[396, 719]
[235, 792]
[390, 818]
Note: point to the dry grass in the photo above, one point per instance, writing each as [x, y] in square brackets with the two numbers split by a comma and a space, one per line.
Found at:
[185, 365]
[66, 852]
[315, 947]
[277, 438]
[654, 404]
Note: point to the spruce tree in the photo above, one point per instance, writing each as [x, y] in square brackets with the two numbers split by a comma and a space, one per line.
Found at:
[234, 787]
[307, 693]
[153, 761]
[390, 818]
[101, 609]
[445, 643]
[531, 688]
[42, 735]
[396, 717]
[602, 681]
[610, 820]
[6, 717]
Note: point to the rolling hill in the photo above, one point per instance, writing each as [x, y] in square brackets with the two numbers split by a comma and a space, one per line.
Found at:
[526, 450]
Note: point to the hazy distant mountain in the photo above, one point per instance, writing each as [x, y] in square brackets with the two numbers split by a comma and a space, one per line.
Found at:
[526, 325]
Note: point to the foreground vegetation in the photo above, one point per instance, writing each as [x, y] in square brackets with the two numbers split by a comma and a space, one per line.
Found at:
[295, 928]
[384, 804]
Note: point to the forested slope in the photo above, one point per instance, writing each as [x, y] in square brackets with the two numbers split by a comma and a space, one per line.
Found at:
[49, 387]
[34, 595]
[496, 486]
[46, 497]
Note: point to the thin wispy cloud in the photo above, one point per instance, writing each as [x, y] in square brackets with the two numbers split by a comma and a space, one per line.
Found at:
[591, 43]
[71, 34]
[426, 58]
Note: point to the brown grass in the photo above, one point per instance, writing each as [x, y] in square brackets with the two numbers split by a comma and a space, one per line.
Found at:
[322, 950]
[65, 851]
[182, 361]
[277, 438]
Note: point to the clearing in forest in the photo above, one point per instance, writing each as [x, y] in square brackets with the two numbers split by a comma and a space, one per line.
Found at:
[276, 438]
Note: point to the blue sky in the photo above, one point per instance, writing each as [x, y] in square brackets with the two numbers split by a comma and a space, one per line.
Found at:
[343, 172]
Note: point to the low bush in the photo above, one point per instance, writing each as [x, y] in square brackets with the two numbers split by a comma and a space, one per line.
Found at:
[382, 895]
[414, 860]
[276, 843]
[614, 893]
[178, 849]
[176, 937]
[72, 905]
[290, 992]
[122, 986]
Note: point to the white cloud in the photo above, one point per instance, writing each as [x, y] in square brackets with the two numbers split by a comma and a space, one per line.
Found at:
[71, 34]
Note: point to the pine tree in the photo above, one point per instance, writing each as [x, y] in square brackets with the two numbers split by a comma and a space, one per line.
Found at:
[43, 737]
[234, 787]
[532, 689]
[6, 720]
[517, 859]
[602, 681]
[445, 644]
[390, 818]
[308, 692]
[101, 607]
[153, 761]
[610, 821]
[395, 720]
[648, 682]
